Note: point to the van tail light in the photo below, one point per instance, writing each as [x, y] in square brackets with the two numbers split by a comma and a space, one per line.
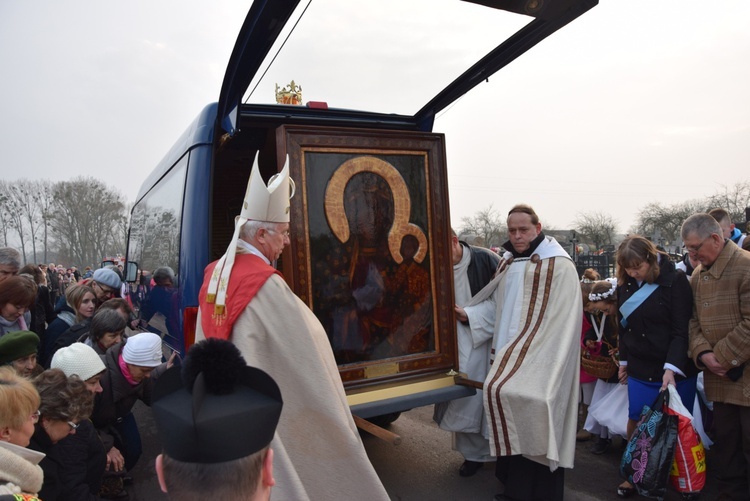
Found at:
[189, 322]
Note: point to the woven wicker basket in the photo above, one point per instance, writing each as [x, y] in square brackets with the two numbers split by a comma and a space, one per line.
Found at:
[598, 365]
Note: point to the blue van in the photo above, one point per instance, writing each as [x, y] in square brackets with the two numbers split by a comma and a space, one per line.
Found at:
[184, 213]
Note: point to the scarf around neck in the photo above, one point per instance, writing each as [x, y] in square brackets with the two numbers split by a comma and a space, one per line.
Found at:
[125, 372]
[528, 252]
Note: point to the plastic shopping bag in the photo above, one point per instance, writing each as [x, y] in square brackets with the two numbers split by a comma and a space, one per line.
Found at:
[647, 460]
[612, 410]
[689, 467]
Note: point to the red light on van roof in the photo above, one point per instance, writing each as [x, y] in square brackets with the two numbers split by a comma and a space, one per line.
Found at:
[318, 105]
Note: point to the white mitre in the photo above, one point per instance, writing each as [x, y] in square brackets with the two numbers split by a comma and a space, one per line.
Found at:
[262, 203]
[267, 203]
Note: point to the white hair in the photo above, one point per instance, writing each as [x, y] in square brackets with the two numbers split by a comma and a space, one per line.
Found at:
[250, 229]
[703, 225]
[10, 257]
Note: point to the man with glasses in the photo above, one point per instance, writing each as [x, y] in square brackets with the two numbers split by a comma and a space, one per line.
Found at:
[245, 299]
[106, 284]
[720, 345]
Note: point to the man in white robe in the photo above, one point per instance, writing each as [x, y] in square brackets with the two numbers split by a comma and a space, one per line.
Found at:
[531, 314]
[473, 268]
[318, 453]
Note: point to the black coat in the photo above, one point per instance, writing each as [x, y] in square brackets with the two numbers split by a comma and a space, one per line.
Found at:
[481, 268]
[657, 331]
[50, 465]
[42, 313]
[70, 336]
[54, 329]
[73, 467]
[82, 462]
[52, 282]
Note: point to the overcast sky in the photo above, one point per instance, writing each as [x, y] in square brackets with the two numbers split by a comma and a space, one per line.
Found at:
[637, 101]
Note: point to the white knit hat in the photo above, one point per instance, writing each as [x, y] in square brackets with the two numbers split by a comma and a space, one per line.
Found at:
[143, 349]
[78, 359]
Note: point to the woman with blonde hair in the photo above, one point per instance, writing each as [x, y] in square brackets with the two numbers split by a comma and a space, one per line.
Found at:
[79, 305]
[20, 472]
[655, 304]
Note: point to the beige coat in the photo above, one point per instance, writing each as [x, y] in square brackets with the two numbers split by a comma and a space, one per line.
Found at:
[721, 322]
[20, 472]
[318, 453]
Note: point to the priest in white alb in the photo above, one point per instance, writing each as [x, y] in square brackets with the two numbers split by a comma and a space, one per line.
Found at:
[531, 313]
[318, 453]
[473, 268]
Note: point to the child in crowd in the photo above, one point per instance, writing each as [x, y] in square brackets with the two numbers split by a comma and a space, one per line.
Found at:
[588, 381]
[602, 337]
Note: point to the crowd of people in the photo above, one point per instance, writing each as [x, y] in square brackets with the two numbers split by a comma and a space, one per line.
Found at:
[77, 361]
[651, 321]
[649, 326]
[523, 314]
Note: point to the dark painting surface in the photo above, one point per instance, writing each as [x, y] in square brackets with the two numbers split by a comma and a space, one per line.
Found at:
[369, 253]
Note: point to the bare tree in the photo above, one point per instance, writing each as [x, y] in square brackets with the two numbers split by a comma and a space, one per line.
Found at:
[5, 221]
[666, 220]
[734, 199]
[154, 236]
[488, 224]
[14, 211]
[27, 197]
[87, 220]
[46, 199]
[596, 228]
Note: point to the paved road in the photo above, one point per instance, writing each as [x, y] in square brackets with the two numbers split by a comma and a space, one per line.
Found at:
[423, 467]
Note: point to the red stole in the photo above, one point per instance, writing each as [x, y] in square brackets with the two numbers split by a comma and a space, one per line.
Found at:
[249, 273]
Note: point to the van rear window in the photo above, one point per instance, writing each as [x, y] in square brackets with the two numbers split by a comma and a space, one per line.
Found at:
[156, 223]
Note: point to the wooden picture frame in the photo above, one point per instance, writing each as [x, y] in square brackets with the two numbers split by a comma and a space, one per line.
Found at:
[370, 248]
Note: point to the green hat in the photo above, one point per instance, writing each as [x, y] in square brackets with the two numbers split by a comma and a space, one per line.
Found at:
[17, 344]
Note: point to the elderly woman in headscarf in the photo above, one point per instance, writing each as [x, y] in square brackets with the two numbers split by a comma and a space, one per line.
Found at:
[130, 366]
